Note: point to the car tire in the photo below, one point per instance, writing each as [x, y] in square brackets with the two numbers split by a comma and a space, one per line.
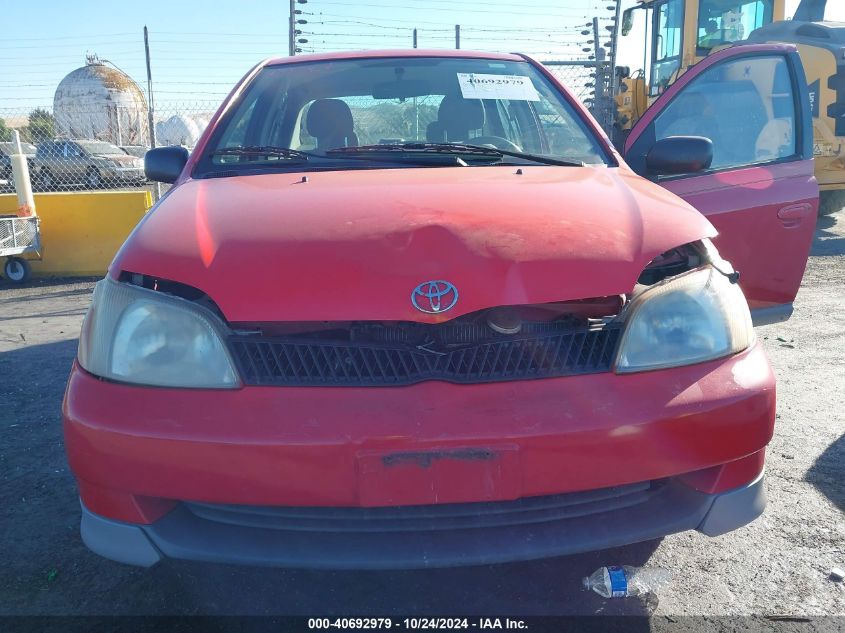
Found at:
[16, 270]
[94, 180]
[831, 201]
[46, 180]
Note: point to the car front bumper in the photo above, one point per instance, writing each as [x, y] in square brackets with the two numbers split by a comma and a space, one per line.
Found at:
[423, 536]
[186, 471]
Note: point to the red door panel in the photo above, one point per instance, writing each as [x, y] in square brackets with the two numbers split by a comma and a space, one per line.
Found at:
[760, 192]
[755, 209]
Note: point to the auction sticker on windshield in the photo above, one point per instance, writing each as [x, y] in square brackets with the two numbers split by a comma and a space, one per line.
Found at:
[514, 87]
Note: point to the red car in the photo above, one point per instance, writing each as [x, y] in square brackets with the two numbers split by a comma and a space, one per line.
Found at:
[412, 309]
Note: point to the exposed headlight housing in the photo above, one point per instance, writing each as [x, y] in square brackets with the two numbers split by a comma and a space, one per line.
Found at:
[143, 337]
[692, 318]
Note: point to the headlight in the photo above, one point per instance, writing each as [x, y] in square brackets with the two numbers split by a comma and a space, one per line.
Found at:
[140, 336]
[692, 318]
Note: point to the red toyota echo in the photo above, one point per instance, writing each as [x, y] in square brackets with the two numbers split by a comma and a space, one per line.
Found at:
[408, 309]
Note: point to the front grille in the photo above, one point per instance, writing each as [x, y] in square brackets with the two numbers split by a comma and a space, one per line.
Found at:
[450, 516]
[297, 361]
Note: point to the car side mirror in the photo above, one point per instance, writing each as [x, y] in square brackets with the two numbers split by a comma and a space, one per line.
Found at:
[165, 164]
[679, 155]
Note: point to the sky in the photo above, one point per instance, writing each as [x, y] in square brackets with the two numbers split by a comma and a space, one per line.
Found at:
[200, 48]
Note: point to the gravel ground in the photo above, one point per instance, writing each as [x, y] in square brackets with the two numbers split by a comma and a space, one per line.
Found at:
[776, 566]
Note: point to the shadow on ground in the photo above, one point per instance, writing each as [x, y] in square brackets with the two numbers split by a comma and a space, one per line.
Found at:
[828, 473]
[47, 570]
[44, 282]
[827, 243]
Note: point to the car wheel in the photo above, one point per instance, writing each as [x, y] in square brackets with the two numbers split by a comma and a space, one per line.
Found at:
[94, 180]
[16, 270]
[45, 178]
[831, 201]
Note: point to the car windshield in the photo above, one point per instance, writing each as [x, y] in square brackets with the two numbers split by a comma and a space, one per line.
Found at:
[408, 110]
[99, 147]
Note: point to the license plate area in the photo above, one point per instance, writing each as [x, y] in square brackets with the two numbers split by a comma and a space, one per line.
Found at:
[438, 475]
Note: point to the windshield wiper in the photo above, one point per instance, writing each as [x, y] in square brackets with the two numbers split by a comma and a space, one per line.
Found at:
[452, 148]
[262, 150]
[427, 148]
[546, 160]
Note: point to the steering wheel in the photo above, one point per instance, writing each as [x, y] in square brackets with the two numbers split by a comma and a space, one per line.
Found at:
[498, 142]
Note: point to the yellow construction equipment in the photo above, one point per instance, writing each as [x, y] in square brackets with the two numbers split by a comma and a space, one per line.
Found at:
[680, 33]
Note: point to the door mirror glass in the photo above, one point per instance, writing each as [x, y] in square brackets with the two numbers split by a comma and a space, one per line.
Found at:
[679, 155]
[165, 164]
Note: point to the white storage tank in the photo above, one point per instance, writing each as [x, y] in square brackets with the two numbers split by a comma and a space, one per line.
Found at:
[179, 129]
[100, 102]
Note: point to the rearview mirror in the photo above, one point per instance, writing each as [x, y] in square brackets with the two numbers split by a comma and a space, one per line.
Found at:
[401, 89]
[165, 164]
[679, 155]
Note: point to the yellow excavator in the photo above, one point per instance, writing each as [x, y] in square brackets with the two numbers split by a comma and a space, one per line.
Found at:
[680, 33]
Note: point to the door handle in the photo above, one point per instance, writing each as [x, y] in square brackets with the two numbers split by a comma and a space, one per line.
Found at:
[793, 215]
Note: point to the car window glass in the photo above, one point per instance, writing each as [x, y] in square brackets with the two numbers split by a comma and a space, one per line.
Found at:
[745, 106]
[727, 21]
[669, 26]
[383, 120]
[378, 101]
[236, 134]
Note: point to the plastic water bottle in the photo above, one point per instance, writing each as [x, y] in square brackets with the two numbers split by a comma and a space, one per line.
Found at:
[623, 581]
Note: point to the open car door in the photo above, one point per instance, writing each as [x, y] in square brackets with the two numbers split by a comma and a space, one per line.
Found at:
[759, 192]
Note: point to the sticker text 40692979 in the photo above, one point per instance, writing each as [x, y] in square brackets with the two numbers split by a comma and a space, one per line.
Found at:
[513, 87]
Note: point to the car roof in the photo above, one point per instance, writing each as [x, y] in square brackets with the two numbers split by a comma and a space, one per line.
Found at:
[8, 146]
[400, 52]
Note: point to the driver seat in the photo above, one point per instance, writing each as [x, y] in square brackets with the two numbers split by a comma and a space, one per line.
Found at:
[330, 122]
[456, 118]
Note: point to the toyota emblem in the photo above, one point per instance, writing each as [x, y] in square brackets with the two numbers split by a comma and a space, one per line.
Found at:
[434, 297]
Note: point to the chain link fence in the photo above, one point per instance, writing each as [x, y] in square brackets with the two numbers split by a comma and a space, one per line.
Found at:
[590, 82]
[103, 148]
[95, 149]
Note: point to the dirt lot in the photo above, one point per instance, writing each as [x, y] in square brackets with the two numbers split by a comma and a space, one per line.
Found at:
[776, 566]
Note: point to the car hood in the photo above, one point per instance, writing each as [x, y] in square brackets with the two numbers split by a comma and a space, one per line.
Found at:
[350, 245]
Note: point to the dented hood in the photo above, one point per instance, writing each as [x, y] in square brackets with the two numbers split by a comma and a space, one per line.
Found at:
[349, 245]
